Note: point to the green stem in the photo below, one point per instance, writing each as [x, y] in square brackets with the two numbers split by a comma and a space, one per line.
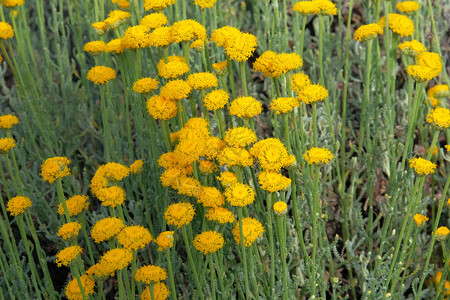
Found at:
[191, 262]
[172, 280]
[243, 253]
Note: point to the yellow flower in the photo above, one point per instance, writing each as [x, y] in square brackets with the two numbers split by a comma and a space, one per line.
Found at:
[174, 68]
[6, 144]
[8, 121]
[114, 46]
[136, 167]
[145, 85]
[135, 37]
[6, 31]
[116, 259]
[189, 151]
[210, 197]
[312, 93]
[164, 240]
[442, 233]
[73, 291]
[272, 64]
[251, 230]
[273, 182]
[188, 30]
[160, 292]
[435, 150]
[169, 160]
[318, 156]
[232, 156]
[106, 228]
[12, 3]
[439, 117]
[161, 37]
[123, 4]
[220, 215]
[438, 91]
[56, 167]
[412, 48]
[161, 108]
[216, 99]
[422, 166]
[367, 32]
[187, 186]
[17, 205]
[111, 196]
[108, 173]
[116, 18]
[213, 147]
[207, 166]
[134, 237]
[241, 46]
[67, 255]
[204, 3]
[153, 21]
[69, 231]
[407, 7]
[239, 194]
[227, 178]
[284, 105]
[271, 154]
[239, 137]
[199, 45]
[95, 47]
[223, 35]
[75, 205]
[299, 81]
[422, 73]
[175, 90]
[220, 68]
[150, 274]
[157, 5]
[280, 208]
[245, 107]
[399, 24]
[101, 74]
[100, 27]
[420, 220]
[179, 214]
[208, 242]
[317, 7]
[202, 81]
[170, 177]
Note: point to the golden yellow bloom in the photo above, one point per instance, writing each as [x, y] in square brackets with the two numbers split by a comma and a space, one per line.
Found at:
[213, 147]
[115, 46]
[161, 37]
[188, 30]
[106, 229]
[150, 274]
[161, 108]
[111, 196]
[123, 4]
[434, 102]
[6, 144]
[75, 205]
[55, 167]
[220, 68]
[312, 93]
[367, 32]
[222, 35]
[157, 5]
[208, 242]
[116, 259]
[399, 24]
[6, 31]
[271, 154]
[422, 166]
[420, 220]
[272, 64]
[273, 182]
[245, 107]
[207, 166]
[188, 186]
[189, 151]
[435, 150]
[174, 68]
[431, 60]
[438, 91]
[169, 160]
[239, 137]
[73, 291]
[318, 156]
[439, 117]
[280, 208]
[437, 281]
[239, 194]
[422, 73]
[251, 230]
[210, 197]
[69, 231]
[95, 47]
[175, 90]
[199, 45]
[227, 178]
[116, 18]
[160, 292]
[8, 121]
[412, 48]
[442, 233]
[164, 240]
[145, 85]
[204, 3]
[317, 7]
[153, 21]
[407, 7]
[100, 27]
[136, 167]
[101, 74]
[299, 81]
[135, 37]
[284, 105]
[195, 128]
[17, 205]
[134, 237]
[241, 46]
[232, 156]
[170, 177]
[12, 3]
[216, 99]
[202, 81]
[106, 174]
[179, 214]
[220, 215]
[67, 255]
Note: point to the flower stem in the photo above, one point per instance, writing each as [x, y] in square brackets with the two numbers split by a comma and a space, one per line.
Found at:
[172, 281]
[243, 252]
[191, 262]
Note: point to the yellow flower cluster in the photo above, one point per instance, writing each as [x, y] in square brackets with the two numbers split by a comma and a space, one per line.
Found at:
[174, 68]
[73, 291]
[115, 46]
[272, 64]
[136, 167]
[407, 7]
[210, 197]
[280, 208]
[160, 37]
[439, 117]
[227, 178]
[273, 182]
[175, 90]
[238, 46]
[145, 85]
[6, 144]
[367, 32]
[216, 99]
[284, 105]
[251, 230]
[157, 5]
[240, 137]
[153, 21]
[239, 194]
[164, 240]
[12, 3]
[188, 30]
[202, 81]
[100, 27]
[436, 93]
[67, 255]
[422, 166]
[134, 237]
[204, 3]
[412, 48]
[75, 205]
[103, 177]
[106, 229]
[316, 7]
[208, 242]
[135, 37]
[95, 47]
[245, 107]
[399, 24]
[116, 18]
[6, 31]
[318, 156]
[312, 93]
[101, 74]
[220, 68]
[160, 292]
[442, 233]
[17, 205]
[272, 155]
[232, 156]
[299, 81]
[207, 166]
[115, 260]
[420, 220]
[220, 215]
[179, 214]
[160, 107]
[150, 274]
[69, 231]
[55, 167]
[8, 121]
